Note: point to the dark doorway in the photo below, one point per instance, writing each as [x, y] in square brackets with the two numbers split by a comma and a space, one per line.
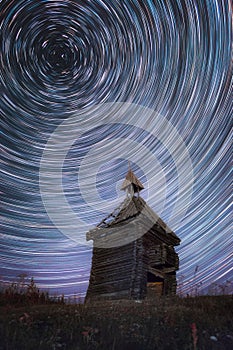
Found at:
[155, 285]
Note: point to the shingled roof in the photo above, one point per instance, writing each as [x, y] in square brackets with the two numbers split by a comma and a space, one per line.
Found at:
[133, 214]
[132, 179]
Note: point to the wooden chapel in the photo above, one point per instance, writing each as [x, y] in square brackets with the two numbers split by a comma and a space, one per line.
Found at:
[133, 251]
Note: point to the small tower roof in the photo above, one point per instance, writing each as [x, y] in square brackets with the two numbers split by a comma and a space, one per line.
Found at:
[131, 179]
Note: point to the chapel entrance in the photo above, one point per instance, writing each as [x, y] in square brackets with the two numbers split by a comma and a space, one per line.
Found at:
[155, 285]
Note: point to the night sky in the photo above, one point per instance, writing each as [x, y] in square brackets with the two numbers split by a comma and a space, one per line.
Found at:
[87, 86]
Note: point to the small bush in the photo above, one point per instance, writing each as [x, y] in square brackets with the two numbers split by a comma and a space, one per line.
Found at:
[27, 294]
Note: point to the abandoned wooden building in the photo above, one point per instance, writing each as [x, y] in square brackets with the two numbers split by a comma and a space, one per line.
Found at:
[133, 251]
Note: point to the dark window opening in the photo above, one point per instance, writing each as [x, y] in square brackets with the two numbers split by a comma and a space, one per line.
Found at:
[152, 278]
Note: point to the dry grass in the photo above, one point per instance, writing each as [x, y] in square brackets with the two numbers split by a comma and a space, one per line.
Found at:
[198, 323]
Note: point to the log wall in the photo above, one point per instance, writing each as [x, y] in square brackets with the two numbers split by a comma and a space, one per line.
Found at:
[121, 272]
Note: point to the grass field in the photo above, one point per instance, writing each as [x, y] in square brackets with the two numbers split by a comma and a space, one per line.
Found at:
[196, 323]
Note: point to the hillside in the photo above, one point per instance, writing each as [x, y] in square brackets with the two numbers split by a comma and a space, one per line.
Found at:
[198, 323]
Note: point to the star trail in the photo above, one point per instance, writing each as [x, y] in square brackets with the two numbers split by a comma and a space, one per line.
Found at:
[87, 86]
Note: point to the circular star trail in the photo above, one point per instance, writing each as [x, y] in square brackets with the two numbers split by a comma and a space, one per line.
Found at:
[61, 58]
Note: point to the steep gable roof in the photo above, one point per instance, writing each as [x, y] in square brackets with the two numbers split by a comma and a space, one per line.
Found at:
[134, 211]
[131, 220]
